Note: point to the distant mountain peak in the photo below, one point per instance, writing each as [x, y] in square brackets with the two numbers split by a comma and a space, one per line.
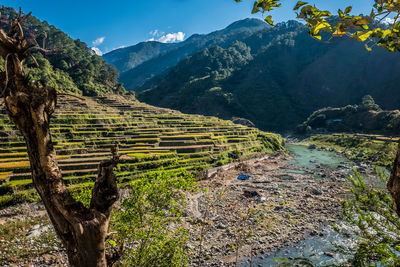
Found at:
[140, 62]
[247, 23]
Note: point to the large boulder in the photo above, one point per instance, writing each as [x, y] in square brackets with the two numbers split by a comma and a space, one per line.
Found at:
[244, 122]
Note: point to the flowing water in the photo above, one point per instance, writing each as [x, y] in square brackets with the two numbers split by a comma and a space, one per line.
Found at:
[319, 248]
[311, 158]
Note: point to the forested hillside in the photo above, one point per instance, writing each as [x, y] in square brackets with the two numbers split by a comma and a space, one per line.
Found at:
[125, 59]
[140, 63]
[286, 76]
[66, 64]
[366, 117]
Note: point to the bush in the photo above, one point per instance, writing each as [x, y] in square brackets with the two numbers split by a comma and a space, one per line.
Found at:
[374, 223]
[148, 221]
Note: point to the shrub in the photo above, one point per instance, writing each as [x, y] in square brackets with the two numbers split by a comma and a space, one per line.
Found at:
[148, 220]
[373, 223]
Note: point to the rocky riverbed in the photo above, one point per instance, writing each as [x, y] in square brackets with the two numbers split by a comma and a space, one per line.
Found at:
[282, 202]
[278, 205]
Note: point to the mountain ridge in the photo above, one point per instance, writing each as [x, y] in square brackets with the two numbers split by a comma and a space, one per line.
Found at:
[290, 76]
[160, 62]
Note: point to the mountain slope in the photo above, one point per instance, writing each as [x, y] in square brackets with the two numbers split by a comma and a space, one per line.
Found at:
[125, 59]
[172, 54]
[289, 77]
[70, 66]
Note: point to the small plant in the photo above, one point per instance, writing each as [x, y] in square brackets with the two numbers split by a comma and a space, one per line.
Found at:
[83, 195]
[374, 223]
[148, 220]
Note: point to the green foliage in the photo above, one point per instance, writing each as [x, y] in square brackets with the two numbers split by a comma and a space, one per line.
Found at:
[149, 220]
[377, 152]
[83, 194]
[19, 197]
[140, 63]
[368, 103]
[357, 27]
[374, 224]
[367, 117]
[71, 66]
[46, 74]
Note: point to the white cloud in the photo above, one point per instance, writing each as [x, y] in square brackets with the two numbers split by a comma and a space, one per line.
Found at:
[388, 21]
[97, 51]
[98, 41]
[160, 36]
[172, 37]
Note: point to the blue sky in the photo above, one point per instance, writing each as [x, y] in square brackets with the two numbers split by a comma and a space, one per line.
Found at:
[112, 24]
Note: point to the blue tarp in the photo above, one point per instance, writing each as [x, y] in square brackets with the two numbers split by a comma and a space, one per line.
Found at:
[243, 177]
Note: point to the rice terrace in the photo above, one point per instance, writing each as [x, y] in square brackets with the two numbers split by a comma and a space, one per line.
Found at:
[199, 133]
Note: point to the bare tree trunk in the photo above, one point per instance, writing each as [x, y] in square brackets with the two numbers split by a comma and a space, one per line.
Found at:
[82, 231]
[394, 182]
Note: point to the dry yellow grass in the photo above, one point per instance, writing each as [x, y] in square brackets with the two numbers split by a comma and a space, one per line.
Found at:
[15, 164]
[4, 175]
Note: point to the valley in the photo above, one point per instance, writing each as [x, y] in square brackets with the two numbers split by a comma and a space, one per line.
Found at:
[273, 76]
[287, 200]
[251, 145]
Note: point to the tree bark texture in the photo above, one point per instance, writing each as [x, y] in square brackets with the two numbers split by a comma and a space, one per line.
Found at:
[30, 106]
[394, 182]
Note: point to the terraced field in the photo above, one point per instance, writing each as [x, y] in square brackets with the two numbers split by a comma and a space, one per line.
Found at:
[150, 138]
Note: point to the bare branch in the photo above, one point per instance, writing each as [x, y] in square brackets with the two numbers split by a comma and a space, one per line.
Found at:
[38, 48]
[44, 40]
[6, 72]
[394, 182]
[34, 60]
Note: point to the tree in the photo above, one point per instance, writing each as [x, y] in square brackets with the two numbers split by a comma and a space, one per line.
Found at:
[368, 103]
[83, 231]
[367, 29]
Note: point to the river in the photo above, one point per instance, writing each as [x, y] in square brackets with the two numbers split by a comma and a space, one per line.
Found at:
[319, 249]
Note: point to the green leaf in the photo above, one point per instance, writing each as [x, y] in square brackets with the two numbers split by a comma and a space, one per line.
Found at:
[362, 36]
[365, 27]
[317, 37]
[299, 4]
[269, 20]
[385, 33]
[322, 25]
[112, 243]
[256, 9]
[348, 9]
